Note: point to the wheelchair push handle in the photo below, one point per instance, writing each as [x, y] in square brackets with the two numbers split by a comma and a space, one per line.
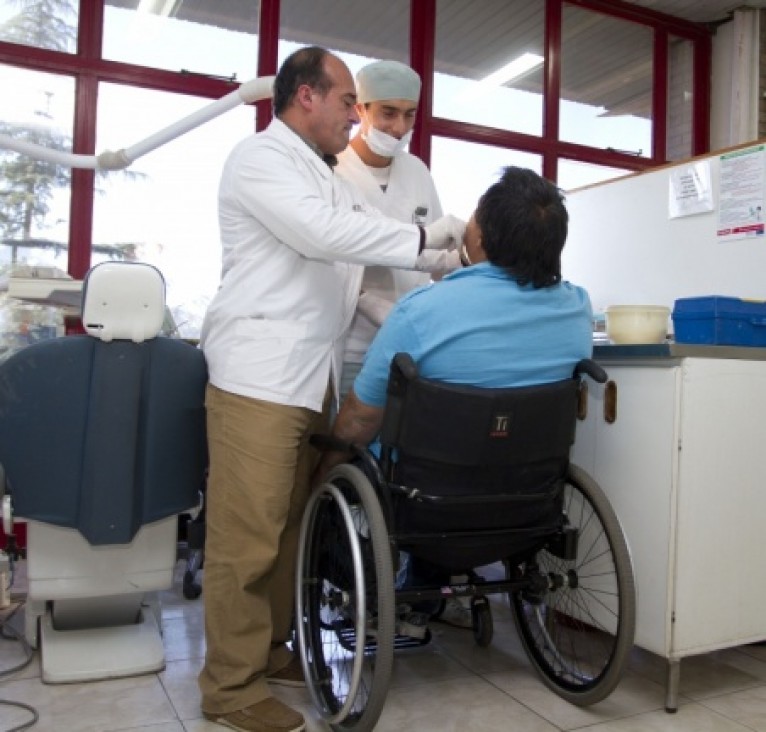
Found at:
[590, 368]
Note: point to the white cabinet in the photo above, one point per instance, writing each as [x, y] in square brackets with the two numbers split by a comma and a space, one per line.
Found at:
[684, 466]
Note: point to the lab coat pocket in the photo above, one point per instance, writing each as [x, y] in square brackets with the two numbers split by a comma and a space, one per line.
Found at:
[265, 354]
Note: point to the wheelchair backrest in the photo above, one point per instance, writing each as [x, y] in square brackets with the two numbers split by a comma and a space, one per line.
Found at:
[485, 467]
[470, 426]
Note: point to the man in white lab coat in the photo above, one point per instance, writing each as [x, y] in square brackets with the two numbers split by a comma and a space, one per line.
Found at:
[294, 238]
[400, 185]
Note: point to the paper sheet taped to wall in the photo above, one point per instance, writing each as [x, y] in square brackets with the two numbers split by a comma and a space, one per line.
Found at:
[690, 189]
[740, 212]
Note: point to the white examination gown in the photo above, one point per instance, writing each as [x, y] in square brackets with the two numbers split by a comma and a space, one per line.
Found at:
[410, 197]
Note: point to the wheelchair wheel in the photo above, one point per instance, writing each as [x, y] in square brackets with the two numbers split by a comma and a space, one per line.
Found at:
[191, 588]
[345, 601]
[483, 625]
[577, 617]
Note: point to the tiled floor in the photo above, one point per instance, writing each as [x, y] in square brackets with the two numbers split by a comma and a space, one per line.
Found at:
[447, 686]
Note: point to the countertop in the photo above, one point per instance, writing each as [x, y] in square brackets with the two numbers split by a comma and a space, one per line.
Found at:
[671, 351]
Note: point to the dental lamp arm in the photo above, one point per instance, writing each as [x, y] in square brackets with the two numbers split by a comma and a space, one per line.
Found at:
[250, 91]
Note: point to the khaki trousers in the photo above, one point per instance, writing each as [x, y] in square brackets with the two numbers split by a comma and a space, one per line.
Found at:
[260, 467]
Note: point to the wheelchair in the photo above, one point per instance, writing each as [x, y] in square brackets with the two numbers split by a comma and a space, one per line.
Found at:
[466, 477]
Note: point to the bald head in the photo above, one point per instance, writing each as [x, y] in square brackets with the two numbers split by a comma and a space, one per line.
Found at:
[314, 95]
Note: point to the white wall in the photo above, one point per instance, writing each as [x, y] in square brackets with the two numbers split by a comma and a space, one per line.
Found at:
[624, 249]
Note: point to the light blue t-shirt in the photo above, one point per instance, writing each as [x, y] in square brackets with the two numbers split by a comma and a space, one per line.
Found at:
[479, 327]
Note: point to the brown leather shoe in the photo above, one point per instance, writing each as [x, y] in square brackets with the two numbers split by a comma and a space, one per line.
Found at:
[269, 715]
[290, 675]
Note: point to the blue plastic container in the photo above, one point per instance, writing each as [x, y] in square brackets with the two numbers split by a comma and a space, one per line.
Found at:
[720, 321]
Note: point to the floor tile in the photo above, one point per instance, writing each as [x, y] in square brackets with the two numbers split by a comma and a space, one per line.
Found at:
[183, 637]
[457, 706]
[425, 665]
[756, 650]
[13, 654]
[633, 695]
[179, 679]
[101, 706]
[688, 718]
[707, 674]
[747, 707]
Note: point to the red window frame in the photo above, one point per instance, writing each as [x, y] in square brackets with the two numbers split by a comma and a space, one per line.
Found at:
[89, 68]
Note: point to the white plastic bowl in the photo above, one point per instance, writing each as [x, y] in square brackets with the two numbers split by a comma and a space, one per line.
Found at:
[637, 323]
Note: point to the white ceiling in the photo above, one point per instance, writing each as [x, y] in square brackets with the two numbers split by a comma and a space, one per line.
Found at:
[605, 62]
[698, 11]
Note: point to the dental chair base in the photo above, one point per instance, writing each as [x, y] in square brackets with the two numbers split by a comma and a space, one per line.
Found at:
[117, 634]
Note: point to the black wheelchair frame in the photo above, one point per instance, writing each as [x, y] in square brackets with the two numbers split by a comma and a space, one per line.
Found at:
[568, 572]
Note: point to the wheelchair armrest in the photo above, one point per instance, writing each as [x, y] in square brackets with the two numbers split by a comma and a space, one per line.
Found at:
[589, 367]
[328, 443]
[369, 463]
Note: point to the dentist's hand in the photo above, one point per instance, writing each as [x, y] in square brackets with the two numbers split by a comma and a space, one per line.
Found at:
[438, 262]
[444, 233]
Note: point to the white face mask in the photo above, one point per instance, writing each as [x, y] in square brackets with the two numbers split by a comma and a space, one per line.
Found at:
[385, 145]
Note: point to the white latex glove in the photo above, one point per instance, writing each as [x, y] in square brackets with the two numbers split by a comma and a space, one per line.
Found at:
[445, 232]
[438, 261]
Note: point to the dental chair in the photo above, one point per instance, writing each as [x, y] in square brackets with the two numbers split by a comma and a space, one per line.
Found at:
[102, 439]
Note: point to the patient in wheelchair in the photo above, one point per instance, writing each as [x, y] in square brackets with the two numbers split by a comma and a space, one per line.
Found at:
[506, 319]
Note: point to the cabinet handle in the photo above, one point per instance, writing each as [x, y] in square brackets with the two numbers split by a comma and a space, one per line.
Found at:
[610, 402]
[582, 401]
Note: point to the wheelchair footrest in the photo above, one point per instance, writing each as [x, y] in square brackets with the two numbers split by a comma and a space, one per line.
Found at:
[402, 642]
[347, 640]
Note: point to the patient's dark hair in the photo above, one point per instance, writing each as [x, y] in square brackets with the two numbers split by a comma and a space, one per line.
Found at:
[304, 66]
[523, 225]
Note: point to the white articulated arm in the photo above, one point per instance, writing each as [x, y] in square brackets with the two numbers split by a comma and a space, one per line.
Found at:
[250, 91]
[6, 512]
[6, 509]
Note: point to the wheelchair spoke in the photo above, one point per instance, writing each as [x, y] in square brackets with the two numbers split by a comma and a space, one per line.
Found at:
[344, 558]
[578, 632]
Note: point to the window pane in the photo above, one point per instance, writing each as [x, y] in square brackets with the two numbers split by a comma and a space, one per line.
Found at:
[464, 170]
[488, 66]
[48, 24]
[574, 174]
[163, 209]
[606, 82]
[359, 32]
[195, 37]
[680, 98]
[34, 194]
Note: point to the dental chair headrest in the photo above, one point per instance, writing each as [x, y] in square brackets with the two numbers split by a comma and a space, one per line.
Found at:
[123, 301]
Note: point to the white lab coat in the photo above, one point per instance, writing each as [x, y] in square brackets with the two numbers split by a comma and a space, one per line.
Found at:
[411, 197]
[293, 237]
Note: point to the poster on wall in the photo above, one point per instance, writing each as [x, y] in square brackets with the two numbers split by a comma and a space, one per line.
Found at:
[741, 194]
[690, 189]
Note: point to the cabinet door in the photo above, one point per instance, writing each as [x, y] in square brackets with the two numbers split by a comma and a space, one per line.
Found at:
[720, 573]
[634, 460]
